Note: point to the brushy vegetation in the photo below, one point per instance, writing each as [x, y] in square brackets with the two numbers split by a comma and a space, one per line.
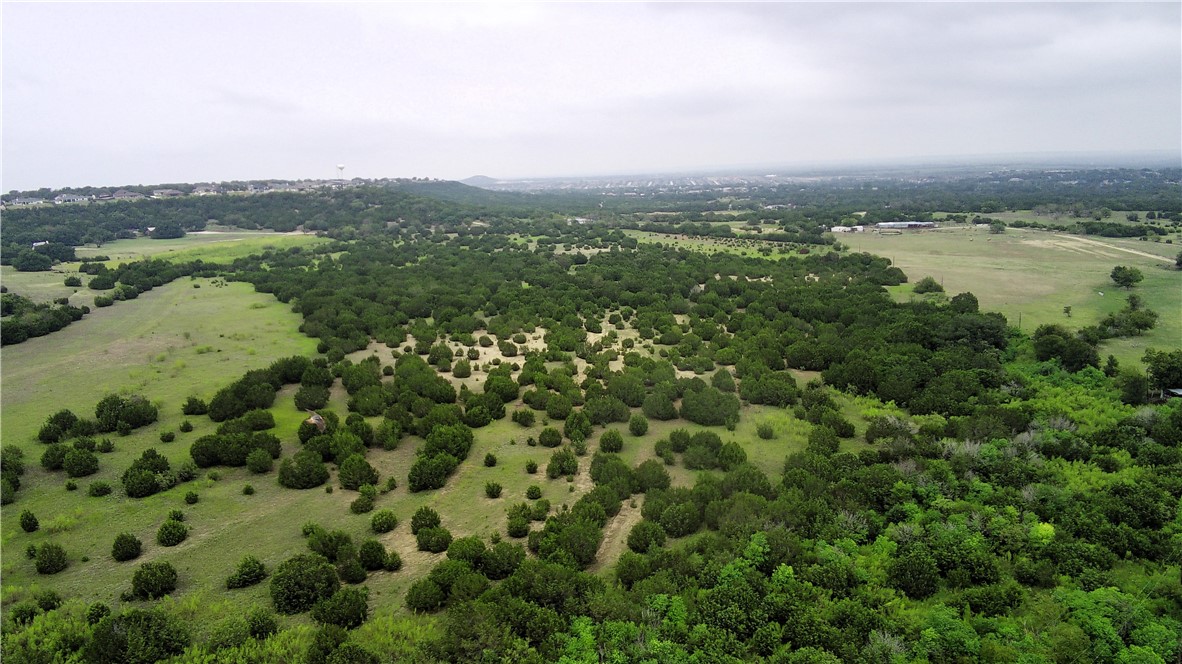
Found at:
[816, 470]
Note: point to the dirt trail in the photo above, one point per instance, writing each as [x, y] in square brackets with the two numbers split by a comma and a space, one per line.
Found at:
[1076, 238]
[615, 537]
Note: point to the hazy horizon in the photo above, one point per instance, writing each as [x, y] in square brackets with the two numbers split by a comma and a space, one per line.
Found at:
[120, 94]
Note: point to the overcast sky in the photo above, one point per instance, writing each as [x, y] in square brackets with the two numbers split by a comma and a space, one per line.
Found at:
[108, 94]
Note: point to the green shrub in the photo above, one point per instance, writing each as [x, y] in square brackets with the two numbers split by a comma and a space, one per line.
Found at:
[638, 425]
[98, 489]
[259, 461]
[261, 623]
[347, 608]
[611, 441]
[304, 470]
[29, 522]
[533, 492]
[167, 436]
[126, 547]
[424, 595]
[490, 460]
[191, 498]
[765, 430]
[393, 562]
[71, 485]
[51, 558]
[531, 467]
[250, 572]
[154, 580]
[176, 515]
[248, 490]
[372, 555]
[434, 539]
[186, 426]
[562, 462]
[550, 437]
[302, 581]
[54, 456]
[383, 521]
[492, 490]
[136, 635]
[518, 526]
[106, 445]
[230, 632]
[350, 570]
[96, 612]
[645, 536]
[424, 517]
[355, 471]
[171, 533]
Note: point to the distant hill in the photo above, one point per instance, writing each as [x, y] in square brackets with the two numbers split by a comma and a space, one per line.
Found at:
[482, 181]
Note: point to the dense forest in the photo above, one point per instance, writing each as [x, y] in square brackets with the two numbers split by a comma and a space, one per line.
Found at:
[1004, 498]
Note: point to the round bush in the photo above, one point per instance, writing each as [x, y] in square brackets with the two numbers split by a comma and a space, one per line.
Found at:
[54, 456]
[533, 492]
[531, 467]
[250, 572]
[350, 570]
[29, 522]
[231, 632]
[645, 536]
[153, 580]
[424, 517]
[248, 490]
[261, 623]
[51, 558]
[304, 470]
[106, 446]
[611, 441]
[191, 498]
[98, 489]
[383, 521]
[372, 555]
[550, 437]
[126, 547]
[301, 581]
[518, 526]
[393, 562]
[356, 471]
[346, 608]
[186, 426]
[96, 612]
[424, 595]
[492, 490]
[259, 461]
[490, 460]
[638, 425]
[434, 539]
[171, 533]
[176, 515]
[167, 436]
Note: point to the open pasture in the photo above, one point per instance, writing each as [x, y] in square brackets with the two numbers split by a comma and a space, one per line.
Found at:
[1030, 276]
[211, 246]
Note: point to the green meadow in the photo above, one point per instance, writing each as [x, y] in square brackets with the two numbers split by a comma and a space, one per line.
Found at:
[1030, 276]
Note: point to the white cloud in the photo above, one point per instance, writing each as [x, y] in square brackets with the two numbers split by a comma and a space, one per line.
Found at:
[111, 93]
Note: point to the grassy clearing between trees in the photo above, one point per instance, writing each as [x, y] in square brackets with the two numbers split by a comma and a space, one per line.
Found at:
[213, 246]
[176, 341]
[1034, 274]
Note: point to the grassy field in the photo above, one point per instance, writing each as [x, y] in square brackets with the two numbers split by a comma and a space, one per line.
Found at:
[1029, 276]
[215, 246]
[747, 245]
[226, 325]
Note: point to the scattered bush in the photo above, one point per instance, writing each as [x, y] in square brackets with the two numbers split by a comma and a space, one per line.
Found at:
[490, 460]
[304, 470]
[433, 539]
[250, 572]
[167, 436]
[765, 430]
[126, 547]
[191, 498]
[154, 580]
[383, 521]
[492, 490]
[638, 425]
[355, 471]
[29, 522]
[261, 623]
[611, 441]
[137, 636]
[372, 555]
[248, 490]
[533, 492]
[347, 608]
[531, 467]
[259, 461]
[171, 533]
[50, 559]
[424, 517]
[186, 426]
[302, 581]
